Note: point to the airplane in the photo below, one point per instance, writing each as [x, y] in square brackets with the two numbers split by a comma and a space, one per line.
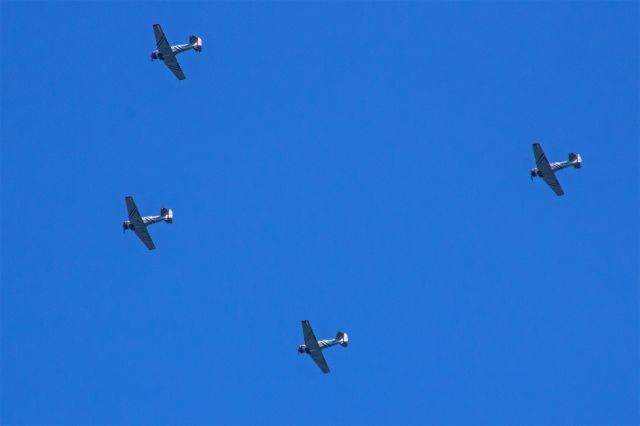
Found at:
[138, 224]
[167, 53]
[314, 347]
[547, 171]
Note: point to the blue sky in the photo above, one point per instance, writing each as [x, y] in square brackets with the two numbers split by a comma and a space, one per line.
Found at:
[361, 165]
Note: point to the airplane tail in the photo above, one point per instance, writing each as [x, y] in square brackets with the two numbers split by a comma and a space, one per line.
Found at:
[342, 338]
[575, 159]
[196, 42]
[167, 215]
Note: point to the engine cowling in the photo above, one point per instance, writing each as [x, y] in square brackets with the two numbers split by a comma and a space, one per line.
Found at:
[125, 225]
[533, 173]
[154, 55]
[301, 349]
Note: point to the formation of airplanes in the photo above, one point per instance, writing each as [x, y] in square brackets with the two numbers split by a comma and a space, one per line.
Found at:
[311, 346]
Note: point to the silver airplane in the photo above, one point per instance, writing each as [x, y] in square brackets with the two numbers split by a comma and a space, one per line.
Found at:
[314, 347]
[167, 53]
[547, 171]
[138, 224]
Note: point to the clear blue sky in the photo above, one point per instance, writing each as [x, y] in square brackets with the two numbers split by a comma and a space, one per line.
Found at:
[361, 165]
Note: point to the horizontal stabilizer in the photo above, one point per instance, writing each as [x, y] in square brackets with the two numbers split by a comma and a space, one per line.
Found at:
[342, 338]
[196, 42]
[167, 215]
[575, 159]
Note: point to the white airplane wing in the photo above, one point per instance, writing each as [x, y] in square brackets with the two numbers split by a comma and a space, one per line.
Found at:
[310, 340]
[547, 173]
[552, 181]
[143, 234]
[132, 211]
[161, 41]
[164, 48]
[139, 227]
[318, 358]
[311, 343]
[174, 66]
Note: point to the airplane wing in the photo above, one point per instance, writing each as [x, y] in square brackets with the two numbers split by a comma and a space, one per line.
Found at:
[310, 340]
[138, 224]
[161, 41]
[547, 173]
[132, 211]
[551, 180]
[174, 66]
[311, 343]
[318, 358]
[143, 234]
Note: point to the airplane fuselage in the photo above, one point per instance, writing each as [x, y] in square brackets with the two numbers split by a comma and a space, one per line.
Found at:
[147, 220]
[178, 48]
[321, 343]
[555, 167]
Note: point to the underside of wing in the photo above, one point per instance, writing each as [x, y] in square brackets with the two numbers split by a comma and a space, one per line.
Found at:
[551, 180]
[310, 340]
[174, 66]
[161, 40]
[143, 234]
[541, 158]
[318, 358]
[544, 167]
[133, 213]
